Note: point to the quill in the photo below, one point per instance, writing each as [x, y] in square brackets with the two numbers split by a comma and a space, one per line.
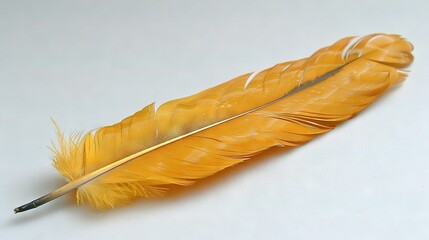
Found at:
[187, 139]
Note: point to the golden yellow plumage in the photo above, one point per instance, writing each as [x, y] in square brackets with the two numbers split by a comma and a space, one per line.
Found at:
[285, 105]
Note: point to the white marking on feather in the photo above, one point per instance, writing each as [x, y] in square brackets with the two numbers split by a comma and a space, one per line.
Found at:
[375, 37]
[251, 78]
[286, 67]
[354, 45]
[351, 44]
[155, 107]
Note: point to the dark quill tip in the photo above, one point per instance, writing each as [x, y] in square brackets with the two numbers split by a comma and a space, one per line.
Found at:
[26, 207]
[33, 204]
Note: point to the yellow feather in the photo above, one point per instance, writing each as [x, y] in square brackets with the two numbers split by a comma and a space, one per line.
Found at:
[286, 105]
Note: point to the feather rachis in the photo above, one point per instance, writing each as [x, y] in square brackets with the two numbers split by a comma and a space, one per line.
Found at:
[365, 70]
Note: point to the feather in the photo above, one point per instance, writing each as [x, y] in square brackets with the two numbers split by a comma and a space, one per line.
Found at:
[187, 139]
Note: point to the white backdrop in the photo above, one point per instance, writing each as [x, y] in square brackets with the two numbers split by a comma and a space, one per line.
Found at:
[91, 63]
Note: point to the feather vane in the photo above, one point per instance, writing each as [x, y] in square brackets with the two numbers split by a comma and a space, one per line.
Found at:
[286, 106]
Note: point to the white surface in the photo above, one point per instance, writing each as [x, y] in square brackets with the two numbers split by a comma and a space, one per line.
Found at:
[91, 63]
